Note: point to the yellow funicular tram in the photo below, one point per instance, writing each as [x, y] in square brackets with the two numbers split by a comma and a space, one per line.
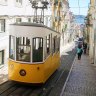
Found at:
[34, 52]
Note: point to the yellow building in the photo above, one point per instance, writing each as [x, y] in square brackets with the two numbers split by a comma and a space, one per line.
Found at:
[59, 8]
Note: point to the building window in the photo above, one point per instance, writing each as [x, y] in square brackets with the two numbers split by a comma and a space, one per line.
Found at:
[18, 20]
[58, 44]
[37, 49]
[12, 47]
[95, 2]
[19, 2]
[1, 57]
[48, 44]
[3, 2]
[46, 21]
[29, 19]
[23, 49]
[54, 44]
[2, 25]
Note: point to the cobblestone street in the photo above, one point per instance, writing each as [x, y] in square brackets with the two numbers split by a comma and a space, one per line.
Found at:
[68, 54]
[82, 80]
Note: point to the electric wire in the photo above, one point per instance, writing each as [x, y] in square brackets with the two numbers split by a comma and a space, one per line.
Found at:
[79, 7]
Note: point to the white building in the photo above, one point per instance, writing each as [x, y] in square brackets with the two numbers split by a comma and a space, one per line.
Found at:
[68, 28]
[11, 11]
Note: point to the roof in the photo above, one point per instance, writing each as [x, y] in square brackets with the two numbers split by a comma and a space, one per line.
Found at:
[33, 24]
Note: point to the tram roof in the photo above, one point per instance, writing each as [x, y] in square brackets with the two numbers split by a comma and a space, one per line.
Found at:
[33, 24]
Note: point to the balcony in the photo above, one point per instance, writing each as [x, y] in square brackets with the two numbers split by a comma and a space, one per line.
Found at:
[88, 20]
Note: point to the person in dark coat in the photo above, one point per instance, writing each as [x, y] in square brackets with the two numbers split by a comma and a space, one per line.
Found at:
[79, 51]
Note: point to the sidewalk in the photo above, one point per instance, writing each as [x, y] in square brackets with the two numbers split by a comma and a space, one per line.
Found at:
[82, 79]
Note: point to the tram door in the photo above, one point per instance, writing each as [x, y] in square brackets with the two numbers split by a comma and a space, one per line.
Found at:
[37, 49]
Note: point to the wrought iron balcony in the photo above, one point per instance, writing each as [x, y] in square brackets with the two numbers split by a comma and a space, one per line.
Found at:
[88, 20]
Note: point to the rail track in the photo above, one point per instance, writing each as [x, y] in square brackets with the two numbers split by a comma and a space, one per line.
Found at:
[10, 88]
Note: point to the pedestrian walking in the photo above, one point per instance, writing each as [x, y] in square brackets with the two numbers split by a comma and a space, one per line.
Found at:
[79, 51]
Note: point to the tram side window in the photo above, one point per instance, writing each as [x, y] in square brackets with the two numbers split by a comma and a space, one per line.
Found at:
[58, 44]
[48, 44]
[37, 49]
[12, 47]
[54, 44]
[23, 49]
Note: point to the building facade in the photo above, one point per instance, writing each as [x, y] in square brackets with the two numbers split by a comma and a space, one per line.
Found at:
[11, 11]
[62, 20]
[91, 29]
[57, 17]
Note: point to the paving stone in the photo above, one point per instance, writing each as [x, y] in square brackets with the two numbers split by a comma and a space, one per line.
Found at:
[66, 63]
[82, 80]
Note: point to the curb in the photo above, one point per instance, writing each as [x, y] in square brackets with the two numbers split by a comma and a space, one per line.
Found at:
[67, 79]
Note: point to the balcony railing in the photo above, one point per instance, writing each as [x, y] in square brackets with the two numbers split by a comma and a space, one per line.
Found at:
[88, 20]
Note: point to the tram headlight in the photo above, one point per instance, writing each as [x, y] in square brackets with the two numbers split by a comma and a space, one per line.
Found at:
[22, 72]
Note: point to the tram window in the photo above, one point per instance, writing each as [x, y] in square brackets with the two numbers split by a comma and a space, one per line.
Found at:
[37, 49]
[45, 52]
[54, 45]
[23, 49]
[58, 44]
[12, 47]
[2, 25]
[29, 19]
[48, 44]
[18, 20]
[23, 41]
[1, 57]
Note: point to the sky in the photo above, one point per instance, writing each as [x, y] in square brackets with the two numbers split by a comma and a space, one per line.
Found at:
[73, 4]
